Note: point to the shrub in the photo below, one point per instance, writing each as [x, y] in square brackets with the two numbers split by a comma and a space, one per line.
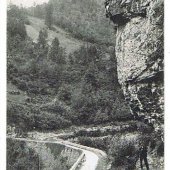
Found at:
[19, 156]
[101, 118]
[22, 85]
[122, 150]
[144, 128]
[64, 94]
[95, 133]
[98, 143]
[50, 121]
[20, 115]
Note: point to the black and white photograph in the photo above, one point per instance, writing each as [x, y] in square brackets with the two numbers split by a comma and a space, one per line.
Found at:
[85, 85]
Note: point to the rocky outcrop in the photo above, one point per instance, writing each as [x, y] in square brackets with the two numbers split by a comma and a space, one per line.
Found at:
[139, 52]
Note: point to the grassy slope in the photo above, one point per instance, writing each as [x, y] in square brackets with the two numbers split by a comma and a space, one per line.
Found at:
[66, 40]
[84, 19]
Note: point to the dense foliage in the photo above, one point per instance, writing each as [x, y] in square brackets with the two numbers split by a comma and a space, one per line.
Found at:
[26, 155]
[82, 86]
[18, 155]
[84, 19]
[123, 152]
[49, 15]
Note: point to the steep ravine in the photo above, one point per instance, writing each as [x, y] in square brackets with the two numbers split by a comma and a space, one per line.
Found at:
[139, 53]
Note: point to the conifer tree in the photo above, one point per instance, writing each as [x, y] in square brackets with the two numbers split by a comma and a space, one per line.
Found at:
[42, 39]
[56, 53]
[49, 16]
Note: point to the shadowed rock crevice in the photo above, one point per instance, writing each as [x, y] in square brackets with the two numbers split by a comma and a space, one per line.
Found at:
[122, 11]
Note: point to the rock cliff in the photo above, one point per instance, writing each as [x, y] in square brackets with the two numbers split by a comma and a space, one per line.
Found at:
[139, 51]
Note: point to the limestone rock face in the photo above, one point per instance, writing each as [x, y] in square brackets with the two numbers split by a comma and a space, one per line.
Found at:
[139, 52]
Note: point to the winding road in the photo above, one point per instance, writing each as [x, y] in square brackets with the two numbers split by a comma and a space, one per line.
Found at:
[88, 160]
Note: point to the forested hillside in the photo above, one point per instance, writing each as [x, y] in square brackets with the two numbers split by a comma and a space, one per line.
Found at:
[84, 19]
[57, 92]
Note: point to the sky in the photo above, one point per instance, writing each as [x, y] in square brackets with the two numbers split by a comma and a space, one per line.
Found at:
[27, 3]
